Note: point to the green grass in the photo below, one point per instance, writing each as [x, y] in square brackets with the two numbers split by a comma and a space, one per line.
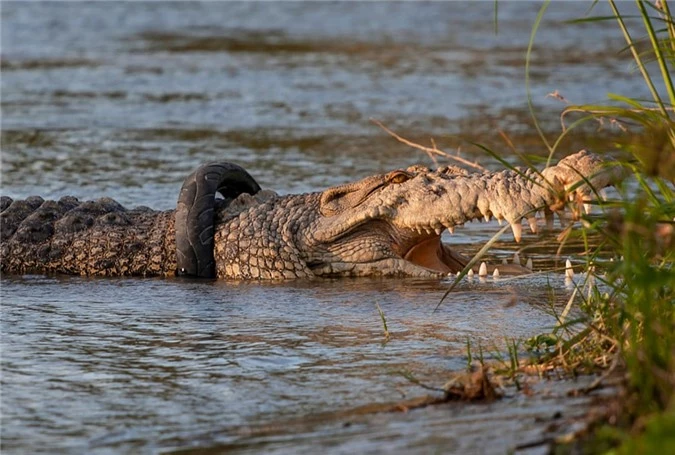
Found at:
[626, 321]
[383, 318]
[624, 318]
[629, 312]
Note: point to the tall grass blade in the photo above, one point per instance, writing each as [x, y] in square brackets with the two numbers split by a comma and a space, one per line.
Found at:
[528, 90]
[663, 66]
[636, 58]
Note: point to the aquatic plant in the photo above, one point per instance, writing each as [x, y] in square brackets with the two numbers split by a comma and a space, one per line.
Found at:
[385, 329]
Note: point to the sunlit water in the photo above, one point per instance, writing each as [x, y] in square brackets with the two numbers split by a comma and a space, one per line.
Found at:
[124, 99]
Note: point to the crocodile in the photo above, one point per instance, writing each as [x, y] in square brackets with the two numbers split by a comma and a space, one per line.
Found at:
[383, 225]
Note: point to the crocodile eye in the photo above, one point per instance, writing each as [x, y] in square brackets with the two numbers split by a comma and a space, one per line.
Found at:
[397, 177]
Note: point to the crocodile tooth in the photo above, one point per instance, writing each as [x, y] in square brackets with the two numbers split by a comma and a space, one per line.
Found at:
[451, 229]
[516, 258]
[563, 219]
[588, 208]
[549, 219]
[532, 221]
[517, 230]
[495, 274]
[487, 217]
[482, 271]
[576, 212]
[570, 197]
[603, 194]
[499, 220]
[528, 264]
[470, 272]
[569, 271]
[438, 231]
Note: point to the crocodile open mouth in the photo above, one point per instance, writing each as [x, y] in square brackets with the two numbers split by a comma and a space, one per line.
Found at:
[433, 254]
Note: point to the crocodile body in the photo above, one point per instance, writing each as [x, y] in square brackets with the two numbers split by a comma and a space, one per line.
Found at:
[383, 225]
[85, 238]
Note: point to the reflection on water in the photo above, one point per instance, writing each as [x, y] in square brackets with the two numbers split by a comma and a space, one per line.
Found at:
[123, 99]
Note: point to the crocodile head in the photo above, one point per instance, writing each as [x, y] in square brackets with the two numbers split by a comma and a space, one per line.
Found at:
[391, 224]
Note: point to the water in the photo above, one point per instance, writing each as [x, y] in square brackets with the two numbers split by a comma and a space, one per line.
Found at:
[133, 365]
[123, 99]
[126, 98]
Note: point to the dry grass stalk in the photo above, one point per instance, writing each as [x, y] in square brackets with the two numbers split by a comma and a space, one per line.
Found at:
[430, 151]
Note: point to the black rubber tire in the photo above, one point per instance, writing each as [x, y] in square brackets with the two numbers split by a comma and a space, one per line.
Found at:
[195, 213]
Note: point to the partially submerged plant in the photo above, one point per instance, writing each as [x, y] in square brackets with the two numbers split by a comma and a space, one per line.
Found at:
[385, 329]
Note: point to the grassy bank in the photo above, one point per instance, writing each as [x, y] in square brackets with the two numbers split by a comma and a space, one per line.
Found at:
[620, 321]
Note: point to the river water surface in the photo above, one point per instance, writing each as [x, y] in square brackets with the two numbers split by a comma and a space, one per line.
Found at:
[124, 99]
